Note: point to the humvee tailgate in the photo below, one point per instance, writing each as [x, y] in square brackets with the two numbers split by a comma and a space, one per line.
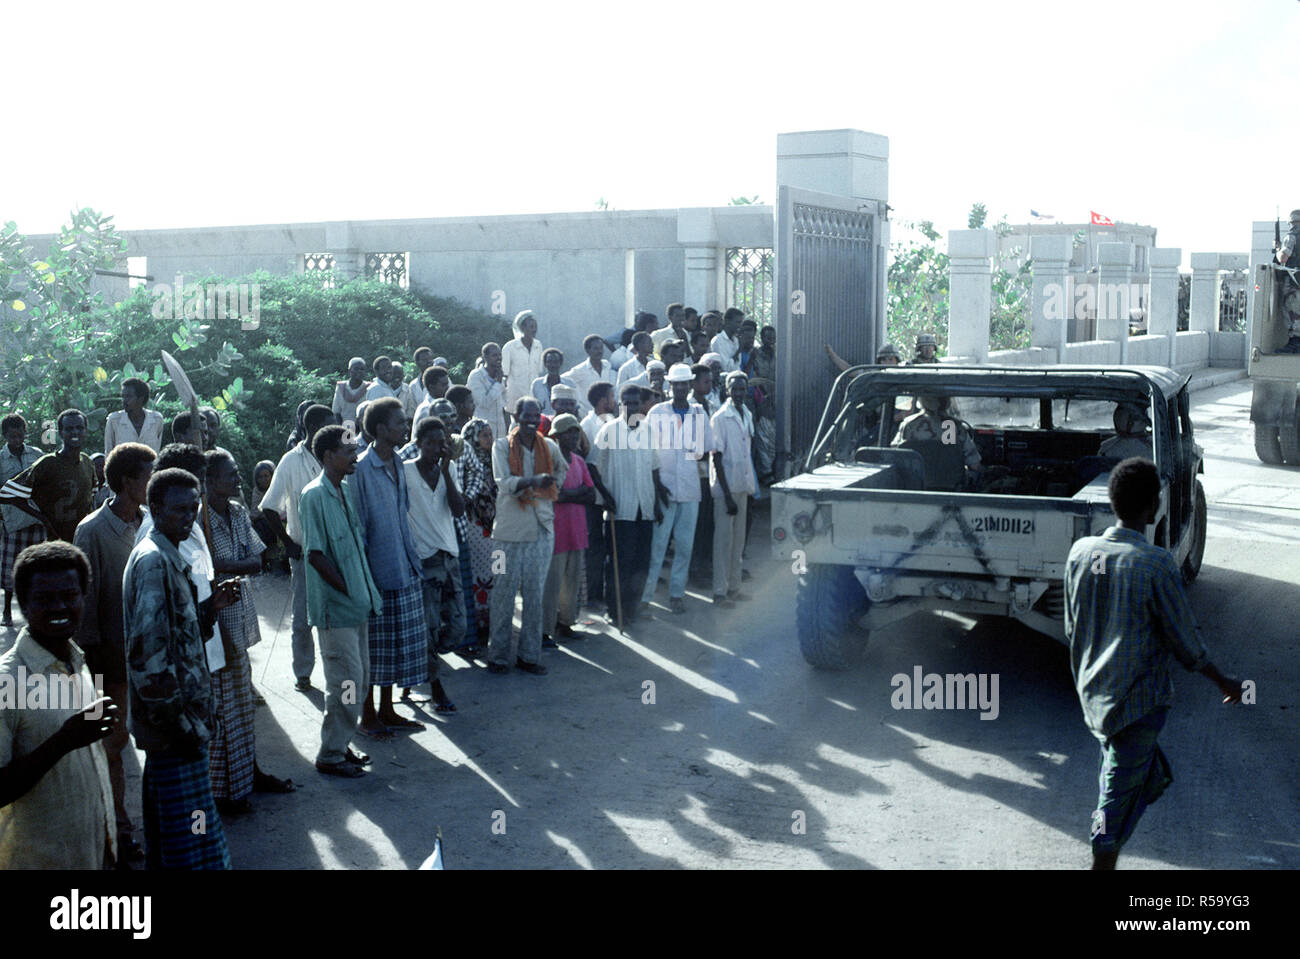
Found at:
[991, 535]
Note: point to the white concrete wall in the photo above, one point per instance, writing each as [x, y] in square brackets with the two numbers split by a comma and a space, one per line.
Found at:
[1034, 356]
[567, 267]
[1191, 350]
[1091, 352]
[1227, 349]
[1148, 351]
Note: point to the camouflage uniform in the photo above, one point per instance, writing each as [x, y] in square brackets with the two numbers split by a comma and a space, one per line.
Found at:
[167, 670]
[171, 708]
[1290, 288]
[929, 426]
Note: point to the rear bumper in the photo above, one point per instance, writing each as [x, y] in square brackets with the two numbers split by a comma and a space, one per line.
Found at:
[897, 595]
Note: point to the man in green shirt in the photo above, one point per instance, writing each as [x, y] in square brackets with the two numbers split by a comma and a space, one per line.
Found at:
[341, 596]
[59, 488]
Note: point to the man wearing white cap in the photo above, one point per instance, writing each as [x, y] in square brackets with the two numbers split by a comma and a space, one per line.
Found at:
[541, 387]
[651, 378]
[521, 359]
[681, 435]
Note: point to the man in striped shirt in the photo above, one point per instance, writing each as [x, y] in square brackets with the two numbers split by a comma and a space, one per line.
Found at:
[1126, 616]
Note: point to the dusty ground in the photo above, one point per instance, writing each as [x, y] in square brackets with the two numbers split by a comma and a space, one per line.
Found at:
[744, 743]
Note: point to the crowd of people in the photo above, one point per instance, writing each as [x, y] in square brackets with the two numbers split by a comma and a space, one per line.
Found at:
[411, 516]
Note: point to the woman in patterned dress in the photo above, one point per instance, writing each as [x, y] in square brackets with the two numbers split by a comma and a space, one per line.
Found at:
[480, 491]
[237, 550]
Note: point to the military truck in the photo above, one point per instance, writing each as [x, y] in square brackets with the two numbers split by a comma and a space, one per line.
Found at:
[881, 531]
[1275, 374]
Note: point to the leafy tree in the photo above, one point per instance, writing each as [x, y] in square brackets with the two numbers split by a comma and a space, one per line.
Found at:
[53, 318]
[919, 291]
[62, 345]
[918, 286]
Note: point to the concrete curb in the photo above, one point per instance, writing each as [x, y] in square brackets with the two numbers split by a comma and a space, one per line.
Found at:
[1209, 380]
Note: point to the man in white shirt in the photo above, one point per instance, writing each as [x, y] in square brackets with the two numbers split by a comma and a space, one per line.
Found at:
[383, 367]
[594, 369]
[133, 423]
[642, 350]
[433, 506]
[296, 469]
[733, 483]
[682, 436]
[603, 408]
[676, 328]
[423, 360]
[435, 386]
[623, 457]
[521, 359]
[727, 343]
[714, 362]
[487, 383]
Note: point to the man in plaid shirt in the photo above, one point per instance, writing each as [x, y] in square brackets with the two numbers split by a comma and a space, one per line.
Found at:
[1126, 615]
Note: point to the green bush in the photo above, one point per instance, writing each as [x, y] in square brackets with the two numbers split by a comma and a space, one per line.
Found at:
[63, 346]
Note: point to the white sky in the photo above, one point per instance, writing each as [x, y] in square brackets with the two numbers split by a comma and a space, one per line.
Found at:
[1148, 111]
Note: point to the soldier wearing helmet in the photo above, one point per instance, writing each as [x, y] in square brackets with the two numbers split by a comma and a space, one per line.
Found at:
[1291, 241]
[936, 421]
[887, 356]
[1289, 255]
[927, 348]
[1131, 437]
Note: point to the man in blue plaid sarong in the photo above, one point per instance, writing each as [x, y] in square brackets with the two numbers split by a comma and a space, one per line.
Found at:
[1126, 616]
[397, 635]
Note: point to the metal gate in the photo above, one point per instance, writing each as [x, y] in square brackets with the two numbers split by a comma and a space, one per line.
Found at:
[830, 271]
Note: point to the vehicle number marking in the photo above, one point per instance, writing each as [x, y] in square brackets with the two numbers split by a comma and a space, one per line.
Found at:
[1003, 524]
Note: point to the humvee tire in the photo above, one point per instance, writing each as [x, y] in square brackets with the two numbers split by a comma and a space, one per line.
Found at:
[1267, 446]
[1289, 442]
[1192, 564]
[828, 603]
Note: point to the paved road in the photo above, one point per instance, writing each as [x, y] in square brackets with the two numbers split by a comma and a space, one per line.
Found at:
[744, 744]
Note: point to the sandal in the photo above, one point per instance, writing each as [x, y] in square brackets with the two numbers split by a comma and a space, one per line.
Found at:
[345, 769]
[397, 722]
[446, 706]
[234, 807]
[379, 735]
[357, 758]
[266, 783]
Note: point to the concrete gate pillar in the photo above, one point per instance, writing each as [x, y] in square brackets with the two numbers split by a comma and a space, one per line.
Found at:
[847, 163]
[698, 235]
[349, 259]
[1051, 298]
[1203, 314]
[1114, 276]
[1162, 307]
[970, 292]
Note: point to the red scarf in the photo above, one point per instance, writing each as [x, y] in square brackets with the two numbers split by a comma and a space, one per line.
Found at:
[541, 464]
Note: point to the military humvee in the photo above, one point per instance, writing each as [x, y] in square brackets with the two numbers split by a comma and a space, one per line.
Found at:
[1274, 375]
[881, 532]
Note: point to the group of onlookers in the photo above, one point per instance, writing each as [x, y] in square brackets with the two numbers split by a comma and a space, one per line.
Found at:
[411, 515]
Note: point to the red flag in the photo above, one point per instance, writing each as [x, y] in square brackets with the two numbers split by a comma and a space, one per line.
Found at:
[1099, 220]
